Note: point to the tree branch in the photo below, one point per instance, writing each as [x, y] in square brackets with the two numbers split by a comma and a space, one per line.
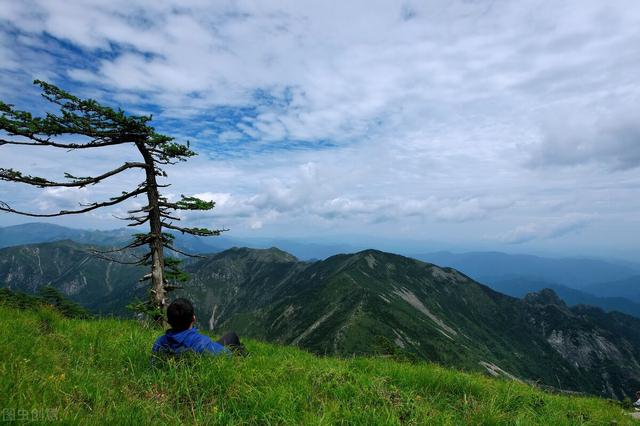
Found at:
[100, 255]
[172, 248]
[189, 203]
[47, 142]
[5, 207]
[201, 232]
[11, 175]
[139, 220]
[168, 216]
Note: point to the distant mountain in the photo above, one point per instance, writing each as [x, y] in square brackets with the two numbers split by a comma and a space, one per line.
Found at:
[628, 288]
[33, 233]
[301, 249]
[578, 273]
[520, 287]
[577, 281]
[367, 303]
[97, 284]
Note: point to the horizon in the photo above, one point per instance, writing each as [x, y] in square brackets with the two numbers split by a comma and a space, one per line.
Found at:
[459, 126]
[397, 247]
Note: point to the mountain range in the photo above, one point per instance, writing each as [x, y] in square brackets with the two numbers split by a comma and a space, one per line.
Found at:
[577, 273]
[611, 285]
[520, 286]
[367, 303]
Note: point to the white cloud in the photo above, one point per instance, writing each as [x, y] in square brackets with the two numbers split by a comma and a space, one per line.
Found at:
[56, 199]
[547, 229]
[591, 136]
[221, 199]
[434, 111]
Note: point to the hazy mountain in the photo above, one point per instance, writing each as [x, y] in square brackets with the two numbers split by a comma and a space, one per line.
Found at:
[488, 267]
[303, 250]
[33, 233]
[367, 303]
[576, 281]
[519, 287]
[628, 288]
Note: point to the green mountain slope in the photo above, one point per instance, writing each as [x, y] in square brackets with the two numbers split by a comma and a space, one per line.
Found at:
[98, 372]
[36, 233]
[368, 303]
[97, 284]
[379, 303]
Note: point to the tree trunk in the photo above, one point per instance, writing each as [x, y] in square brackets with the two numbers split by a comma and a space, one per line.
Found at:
[158, 292]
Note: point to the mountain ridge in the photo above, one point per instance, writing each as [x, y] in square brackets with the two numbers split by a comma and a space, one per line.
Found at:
[370, 302]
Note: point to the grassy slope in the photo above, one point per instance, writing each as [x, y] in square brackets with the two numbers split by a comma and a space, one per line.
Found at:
[98, 371]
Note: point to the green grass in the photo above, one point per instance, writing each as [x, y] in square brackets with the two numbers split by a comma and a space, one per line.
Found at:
[99, 371]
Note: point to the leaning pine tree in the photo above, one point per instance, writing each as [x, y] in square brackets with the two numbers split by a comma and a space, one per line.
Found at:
[92, 125]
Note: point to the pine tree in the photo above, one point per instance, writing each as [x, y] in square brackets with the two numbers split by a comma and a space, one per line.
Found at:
[51, 296]
[92, 126]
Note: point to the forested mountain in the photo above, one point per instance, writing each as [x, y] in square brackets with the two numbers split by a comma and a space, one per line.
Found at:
[375, 302]
[370, 302]
[96, 284]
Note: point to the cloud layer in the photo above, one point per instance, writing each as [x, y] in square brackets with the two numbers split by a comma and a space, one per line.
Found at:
[461, 121]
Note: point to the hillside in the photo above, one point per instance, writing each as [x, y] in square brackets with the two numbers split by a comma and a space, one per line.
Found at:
[368, 303]
[34, 233]
[374, 302]
[98, 371]
[98, 285]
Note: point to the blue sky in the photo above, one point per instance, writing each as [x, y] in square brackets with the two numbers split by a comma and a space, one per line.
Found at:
[458, 124]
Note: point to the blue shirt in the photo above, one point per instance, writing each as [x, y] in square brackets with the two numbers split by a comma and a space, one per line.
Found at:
[188, 340]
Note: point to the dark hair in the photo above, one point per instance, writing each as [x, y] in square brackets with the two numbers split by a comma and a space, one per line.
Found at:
[180, 314]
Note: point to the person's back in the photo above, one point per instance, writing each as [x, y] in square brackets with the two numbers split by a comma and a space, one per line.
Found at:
[183, 337]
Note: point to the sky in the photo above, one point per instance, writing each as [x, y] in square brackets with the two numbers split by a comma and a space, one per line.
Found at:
[454, 125]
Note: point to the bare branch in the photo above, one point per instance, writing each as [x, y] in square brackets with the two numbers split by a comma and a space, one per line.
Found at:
[135, 244]
[168, 216]
[139, 220]
[144, 209]
[172, 248]
[5, 207]
[145, 278]
[111, 259]
[171, 287]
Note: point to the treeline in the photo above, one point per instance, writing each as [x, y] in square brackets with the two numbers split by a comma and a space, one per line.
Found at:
[47, 296]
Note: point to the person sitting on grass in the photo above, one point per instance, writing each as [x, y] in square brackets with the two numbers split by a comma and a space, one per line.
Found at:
[184, 337]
